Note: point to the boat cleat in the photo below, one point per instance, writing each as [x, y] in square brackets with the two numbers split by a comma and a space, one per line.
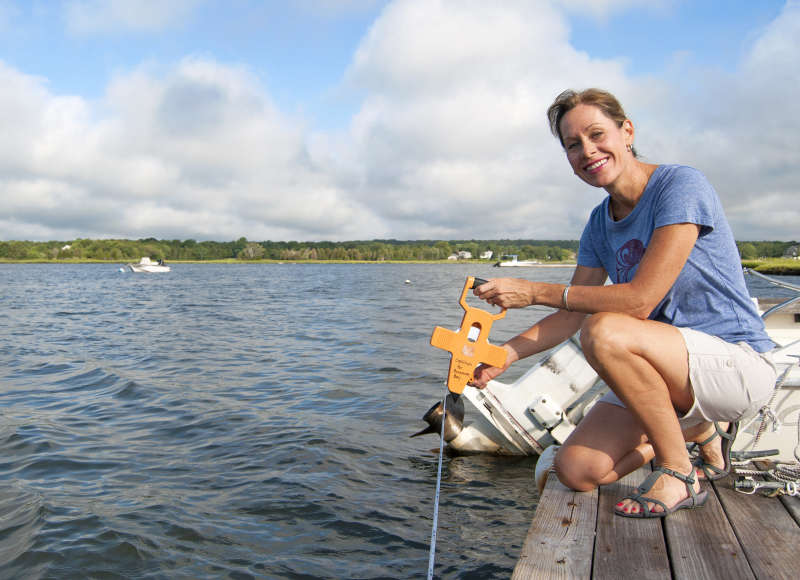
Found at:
[546, 411]
[552, 417]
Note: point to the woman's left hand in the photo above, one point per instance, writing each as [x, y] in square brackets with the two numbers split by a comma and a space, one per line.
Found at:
[507, 292]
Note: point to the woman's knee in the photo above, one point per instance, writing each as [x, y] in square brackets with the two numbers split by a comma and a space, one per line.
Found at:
[579, 468]
[604, 333]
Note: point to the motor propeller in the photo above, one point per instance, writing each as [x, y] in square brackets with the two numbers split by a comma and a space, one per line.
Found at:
[453, 418]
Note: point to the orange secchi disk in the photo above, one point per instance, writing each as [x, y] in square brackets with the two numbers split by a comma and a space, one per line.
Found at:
[469, 345]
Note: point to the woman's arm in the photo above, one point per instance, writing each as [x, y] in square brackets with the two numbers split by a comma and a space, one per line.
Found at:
[663, 260]
[545, 334]
[666, 254]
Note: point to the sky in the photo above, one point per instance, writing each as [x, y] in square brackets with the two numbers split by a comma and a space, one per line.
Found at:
[345, 120]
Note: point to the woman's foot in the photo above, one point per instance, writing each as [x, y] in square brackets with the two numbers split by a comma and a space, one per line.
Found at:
[666, 491]
[706, 440]
[714, 445]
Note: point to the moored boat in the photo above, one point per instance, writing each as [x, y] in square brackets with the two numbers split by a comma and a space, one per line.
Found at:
[146, 265]
[512, 261]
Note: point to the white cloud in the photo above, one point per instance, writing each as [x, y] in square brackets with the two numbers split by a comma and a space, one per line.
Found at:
[110, 16]
[451, 139]
[453, 129]
[199, 151]
[741, 129]
[601, 9]
[452, 135]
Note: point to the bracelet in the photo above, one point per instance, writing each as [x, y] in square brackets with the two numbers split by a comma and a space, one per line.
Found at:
[564, 302]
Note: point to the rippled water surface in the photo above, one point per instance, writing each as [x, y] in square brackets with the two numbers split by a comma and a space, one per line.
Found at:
[241, 421]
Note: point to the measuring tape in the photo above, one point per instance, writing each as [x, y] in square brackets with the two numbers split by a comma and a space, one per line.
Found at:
[469, 346]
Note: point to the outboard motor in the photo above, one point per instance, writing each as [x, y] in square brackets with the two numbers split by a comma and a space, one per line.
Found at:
[453, 418]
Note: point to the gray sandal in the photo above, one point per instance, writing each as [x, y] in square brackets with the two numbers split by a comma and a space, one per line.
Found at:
[694, 500]
[712, 472]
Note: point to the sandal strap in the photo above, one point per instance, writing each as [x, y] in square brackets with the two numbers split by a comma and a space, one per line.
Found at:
[648, 482]
[688, 480]
[643, 502]
[711, 437]
[651, 479]
[709, 469]
[725, 434]
[639, 497]
[718, 432]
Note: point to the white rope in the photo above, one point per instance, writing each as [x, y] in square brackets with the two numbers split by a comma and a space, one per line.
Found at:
[432, 556]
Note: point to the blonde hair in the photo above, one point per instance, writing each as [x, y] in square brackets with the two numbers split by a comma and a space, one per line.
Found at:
[569, 99]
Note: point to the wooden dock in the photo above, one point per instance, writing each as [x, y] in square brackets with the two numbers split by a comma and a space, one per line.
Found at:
[577, 535]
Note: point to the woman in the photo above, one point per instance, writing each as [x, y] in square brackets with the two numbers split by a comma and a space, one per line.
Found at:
[676, 337]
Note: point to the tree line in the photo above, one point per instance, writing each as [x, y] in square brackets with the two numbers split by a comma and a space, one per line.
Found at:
[122, 250]
[242, 249]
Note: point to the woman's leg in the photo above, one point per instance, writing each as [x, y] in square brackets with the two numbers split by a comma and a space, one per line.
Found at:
[646, 364]
[606, 445]
[599, 452]
[711, 452]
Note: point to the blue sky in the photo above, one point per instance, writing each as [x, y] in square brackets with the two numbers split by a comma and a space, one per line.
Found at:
[298, 49]
[354, 119]
[651, 35]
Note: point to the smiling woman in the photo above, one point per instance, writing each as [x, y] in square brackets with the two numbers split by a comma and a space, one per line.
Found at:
[598, 139]
[601, 100]
[675, 337]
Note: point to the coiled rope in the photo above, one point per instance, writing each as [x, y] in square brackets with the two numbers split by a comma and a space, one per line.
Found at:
[784, 477]
[768, 416]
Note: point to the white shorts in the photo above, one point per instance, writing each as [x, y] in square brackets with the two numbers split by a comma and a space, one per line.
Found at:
[729, 381]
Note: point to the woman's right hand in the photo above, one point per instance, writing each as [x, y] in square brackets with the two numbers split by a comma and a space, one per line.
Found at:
[485, 373]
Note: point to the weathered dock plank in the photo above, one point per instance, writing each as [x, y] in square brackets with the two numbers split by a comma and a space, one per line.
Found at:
[627, 547]
[792, 505]
[560, 540]
[576, 535]
[702, 543]
[768, 534]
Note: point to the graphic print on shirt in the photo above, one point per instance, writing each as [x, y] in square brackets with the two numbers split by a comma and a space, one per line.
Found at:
[628, 257]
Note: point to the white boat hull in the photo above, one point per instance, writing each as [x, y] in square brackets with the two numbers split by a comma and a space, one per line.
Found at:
[152, 269]
[513, 262]
[147, 266]
[518, 264]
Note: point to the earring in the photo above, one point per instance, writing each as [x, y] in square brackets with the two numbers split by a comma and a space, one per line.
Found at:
[629, 147]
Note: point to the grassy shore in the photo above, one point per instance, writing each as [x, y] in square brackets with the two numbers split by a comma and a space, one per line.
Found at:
[774, 266]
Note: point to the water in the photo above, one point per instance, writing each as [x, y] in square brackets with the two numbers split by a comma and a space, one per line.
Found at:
[241, 421]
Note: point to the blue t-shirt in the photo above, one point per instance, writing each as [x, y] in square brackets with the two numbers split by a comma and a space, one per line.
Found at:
[709, 294]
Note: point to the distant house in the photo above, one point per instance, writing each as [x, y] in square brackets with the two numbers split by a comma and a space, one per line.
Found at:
[64, 248]
[464, 255]
[487, 255]
[792, 252]
[452, 257]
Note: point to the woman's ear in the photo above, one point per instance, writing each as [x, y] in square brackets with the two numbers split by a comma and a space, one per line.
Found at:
[627, 128]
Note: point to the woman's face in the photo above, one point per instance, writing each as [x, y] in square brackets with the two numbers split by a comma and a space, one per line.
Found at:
[597, 149]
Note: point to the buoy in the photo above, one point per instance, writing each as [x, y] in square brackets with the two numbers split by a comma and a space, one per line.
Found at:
[408, 281]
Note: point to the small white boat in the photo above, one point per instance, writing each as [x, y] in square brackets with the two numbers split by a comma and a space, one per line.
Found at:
[148, 266]
[512, 261]
[542, 407]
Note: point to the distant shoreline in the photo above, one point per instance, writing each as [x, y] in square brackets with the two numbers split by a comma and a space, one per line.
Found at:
[235, 261]
[771, 266]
